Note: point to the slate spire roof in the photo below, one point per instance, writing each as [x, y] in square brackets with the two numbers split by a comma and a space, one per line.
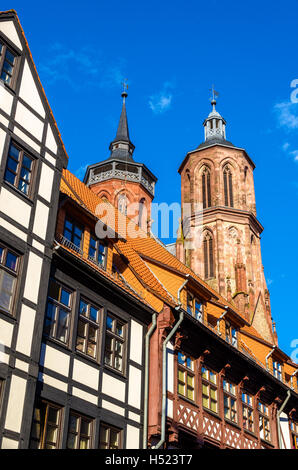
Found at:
[121, 147]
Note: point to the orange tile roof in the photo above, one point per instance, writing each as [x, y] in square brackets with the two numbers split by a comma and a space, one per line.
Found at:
[134, 248]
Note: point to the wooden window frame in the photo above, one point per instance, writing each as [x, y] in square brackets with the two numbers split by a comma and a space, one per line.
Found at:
[188, 372]
[78, 433]
[277, 369]
[108, 427]
[191, 301]
[43, 431]
[17, 173]
[15, 65]
[230, 337]
[95, 260]
[248, 412]
[87, 320]
[114, 337]
[58, 307]
[210, 386]
[13, 273]
[74, 224]
[264, 420]
[230, 395]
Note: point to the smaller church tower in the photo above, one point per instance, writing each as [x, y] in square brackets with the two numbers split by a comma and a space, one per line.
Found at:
[220, 237]
[120, 180]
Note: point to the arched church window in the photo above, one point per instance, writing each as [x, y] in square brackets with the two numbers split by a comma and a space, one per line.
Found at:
[228, 186]
[208, 255]
[206, 188]
[122, 203]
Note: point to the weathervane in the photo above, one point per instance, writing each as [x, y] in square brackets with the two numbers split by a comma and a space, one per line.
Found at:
[215, 94]
[125, 88]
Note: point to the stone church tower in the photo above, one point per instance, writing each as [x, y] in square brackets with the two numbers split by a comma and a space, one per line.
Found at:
[120, 180]
[220, 233]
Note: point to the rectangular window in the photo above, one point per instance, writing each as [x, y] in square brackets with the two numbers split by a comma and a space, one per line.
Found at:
[58, 312]
[186, 376]
[231, 334]
[247, 410]
[209, 389]
[115, 343]
[264, 422]
[230, 402]
[194, 307]
[9, 262]
[45, 426]
[19, 169]
[88, 329]
[79, 432]
[7, 63]
[73, 232]
[277, 370]
[110, 437]
[97, 252]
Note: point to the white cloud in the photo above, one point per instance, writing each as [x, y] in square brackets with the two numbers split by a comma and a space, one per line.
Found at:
[287, 114]
[81, 67]
[295, 155]
[161, 102]
[269, 282]
[285, 146]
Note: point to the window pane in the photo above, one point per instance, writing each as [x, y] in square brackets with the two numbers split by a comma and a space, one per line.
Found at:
[53, 414]
[65, 297]
[85, 427]
[54, 290]
[6, 289]
[93, 313]
[27, 163]
[50, 318]
[118, 363]
[9, 56]
[62, 325]
[10, 177]
[119, 329]
[24, 187]
[109, 323]
[11, 261]
[14, 152]
[114, 439]
[12, 164]
[83, 307]
[73, 423]
[84, 443]
[71, 441]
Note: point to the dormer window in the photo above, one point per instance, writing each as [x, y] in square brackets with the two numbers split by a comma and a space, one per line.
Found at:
[277, 370]
[73, 232]
[7, 63]
[231, 334]
[194, 307]
[97, 252]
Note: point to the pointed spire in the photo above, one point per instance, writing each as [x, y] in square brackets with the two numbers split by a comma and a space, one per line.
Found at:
[121, 147]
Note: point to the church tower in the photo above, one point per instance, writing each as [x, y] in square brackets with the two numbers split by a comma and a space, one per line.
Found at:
[120, 180]
[220, 235]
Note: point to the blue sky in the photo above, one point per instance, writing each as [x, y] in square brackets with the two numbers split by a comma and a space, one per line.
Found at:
[171, 52]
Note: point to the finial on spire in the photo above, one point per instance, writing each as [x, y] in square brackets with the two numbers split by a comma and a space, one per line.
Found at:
[125, 88]
[214, 96]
